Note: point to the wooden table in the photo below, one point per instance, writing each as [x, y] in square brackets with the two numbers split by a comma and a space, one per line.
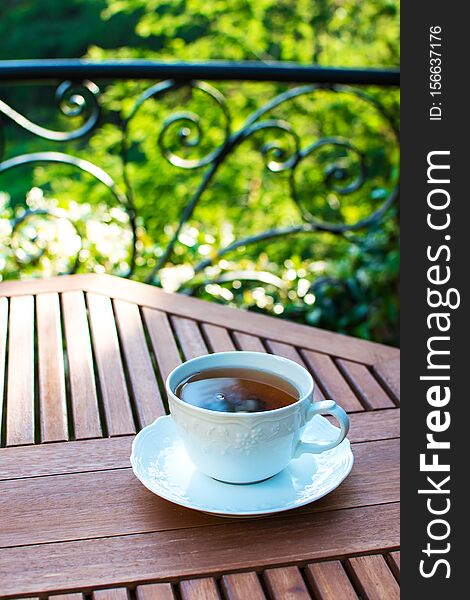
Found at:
[82, 360]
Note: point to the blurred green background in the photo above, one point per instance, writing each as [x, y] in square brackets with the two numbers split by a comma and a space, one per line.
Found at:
[347, 285]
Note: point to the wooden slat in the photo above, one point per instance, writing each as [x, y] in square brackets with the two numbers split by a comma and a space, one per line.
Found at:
[373, 578]
[240, 586]
[248, 342]
[101, 454]
[393, 560]
[106, 503]
[65, 457]
[199, 551]
[52, 404]
[333, 383]
[162, 340]
[286, 584]
[199, 589]
[374, 425]
[287, 351]
[73, 596]
[146, 394]
[35, 285]
[86, 506]
[388, 372]
[3, 352]
[329, 581]
[117, 408]
[84, 401]
[365, 385]
[189, 337]
[111, 594]
[20, 386]
[218, 338]
[155, 591]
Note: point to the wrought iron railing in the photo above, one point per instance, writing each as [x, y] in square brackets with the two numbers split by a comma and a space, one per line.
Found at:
[78, 96]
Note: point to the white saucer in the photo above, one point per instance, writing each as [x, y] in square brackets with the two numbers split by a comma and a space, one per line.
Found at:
[160, 462]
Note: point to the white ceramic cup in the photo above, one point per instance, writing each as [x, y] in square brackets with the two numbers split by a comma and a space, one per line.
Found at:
[249, 447]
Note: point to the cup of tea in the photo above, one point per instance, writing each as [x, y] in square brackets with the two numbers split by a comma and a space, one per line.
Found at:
[241, 415]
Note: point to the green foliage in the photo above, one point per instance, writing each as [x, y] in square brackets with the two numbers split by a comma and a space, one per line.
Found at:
[333, 32]
[318, 278]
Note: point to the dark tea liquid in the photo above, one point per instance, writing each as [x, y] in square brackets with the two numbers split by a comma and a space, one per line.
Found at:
[237, 390]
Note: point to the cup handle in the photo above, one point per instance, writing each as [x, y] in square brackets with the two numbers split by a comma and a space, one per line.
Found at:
[325, 407]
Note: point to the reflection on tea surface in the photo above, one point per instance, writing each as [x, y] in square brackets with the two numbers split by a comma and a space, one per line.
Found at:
[237, 390]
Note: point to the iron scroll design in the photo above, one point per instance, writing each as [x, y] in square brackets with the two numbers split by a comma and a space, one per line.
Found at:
[82, 99]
